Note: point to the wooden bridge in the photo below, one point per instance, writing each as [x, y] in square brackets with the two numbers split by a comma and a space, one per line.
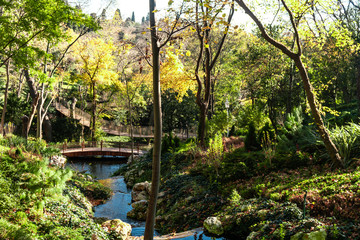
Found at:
[101, 149]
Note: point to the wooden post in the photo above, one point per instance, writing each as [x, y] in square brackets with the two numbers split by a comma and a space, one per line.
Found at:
[82, 146]
[101, 145]
[119, 146]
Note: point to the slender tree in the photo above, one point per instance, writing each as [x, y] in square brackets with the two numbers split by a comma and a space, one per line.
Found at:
[156, 46]
[133, 17]
[205, 18]
[296, 57]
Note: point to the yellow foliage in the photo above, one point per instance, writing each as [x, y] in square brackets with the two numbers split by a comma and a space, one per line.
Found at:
[96, 61]
[173, 76]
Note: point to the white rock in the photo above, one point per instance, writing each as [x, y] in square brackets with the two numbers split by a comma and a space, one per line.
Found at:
[214, 226]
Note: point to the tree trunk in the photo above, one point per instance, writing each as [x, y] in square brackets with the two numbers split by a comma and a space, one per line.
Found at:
[291, 80]
[155, 183]
[32, 114]
[34, 95]
[358, 82]
[93, 113]
[329, 145]
[202, 124]
[5, 98]
[131, 130]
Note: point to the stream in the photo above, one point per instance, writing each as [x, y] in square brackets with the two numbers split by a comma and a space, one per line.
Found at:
[120, 203]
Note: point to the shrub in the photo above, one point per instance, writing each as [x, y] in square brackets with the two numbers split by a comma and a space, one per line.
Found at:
[251, 143]
[169, 143]
[347, 142]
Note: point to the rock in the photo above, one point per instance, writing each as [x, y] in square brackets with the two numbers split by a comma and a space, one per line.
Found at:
[245, 207]
[263, 213]
[139, 210]
[252, 235]
[140, 205]
[213, 226]
[120, 229]
[292, 212]
[141, 191]
[100, 220]
[58, 161]
[317, 235]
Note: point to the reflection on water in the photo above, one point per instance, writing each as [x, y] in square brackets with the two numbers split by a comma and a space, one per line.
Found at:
[120, 203]
[100, 168]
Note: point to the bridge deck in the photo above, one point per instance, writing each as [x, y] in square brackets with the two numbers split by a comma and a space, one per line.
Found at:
[95, 151]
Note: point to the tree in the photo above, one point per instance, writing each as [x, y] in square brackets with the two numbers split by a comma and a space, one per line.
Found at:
[206, 17]
[96, 62]
[103, 15]
[133, 17]
[117, 16]
[156, 45]
[296, 57]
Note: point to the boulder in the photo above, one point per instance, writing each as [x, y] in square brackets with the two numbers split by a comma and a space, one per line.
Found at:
[141, 191]
[139, 210]
[253, 235]
[317, 235]
[213, 226]
[119, 229]
[58, 161]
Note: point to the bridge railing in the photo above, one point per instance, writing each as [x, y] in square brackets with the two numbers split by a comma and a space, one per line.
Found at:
[102, 145]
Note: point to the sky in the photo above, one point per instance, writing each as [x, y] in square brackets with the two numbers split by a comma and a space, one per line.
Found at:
[141, 9]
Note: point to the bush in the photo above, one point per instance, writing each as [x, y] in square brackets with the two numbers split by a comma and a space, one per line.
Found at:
[297, 136]
[169, 143]
[346, 139]
[251, 143]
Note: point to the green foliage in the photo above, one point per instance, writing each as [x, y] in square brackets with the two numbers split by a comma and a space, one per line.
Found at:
[216, 148]
[234, 197]
[65, 128]
[116, 139]
[219, 123]
[295, 135]
[169, 143]
[266, 136]
[16, 108]
[251, 114]
[251, 142]
[347, 142]
[61, 232]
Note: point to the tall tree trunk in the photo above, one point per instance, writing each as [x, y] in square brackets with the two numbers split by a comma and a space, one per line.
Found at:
[32, 114]
[5, 98]
[291, 80]
[202, 123]
[358, 82]
[155, 183]
[93, 113]
[33, 95]
[131, 129]
[329, 145]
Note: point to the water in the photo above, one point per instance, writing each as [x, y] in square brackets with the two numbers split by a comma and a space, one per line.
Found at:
[120, 203]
